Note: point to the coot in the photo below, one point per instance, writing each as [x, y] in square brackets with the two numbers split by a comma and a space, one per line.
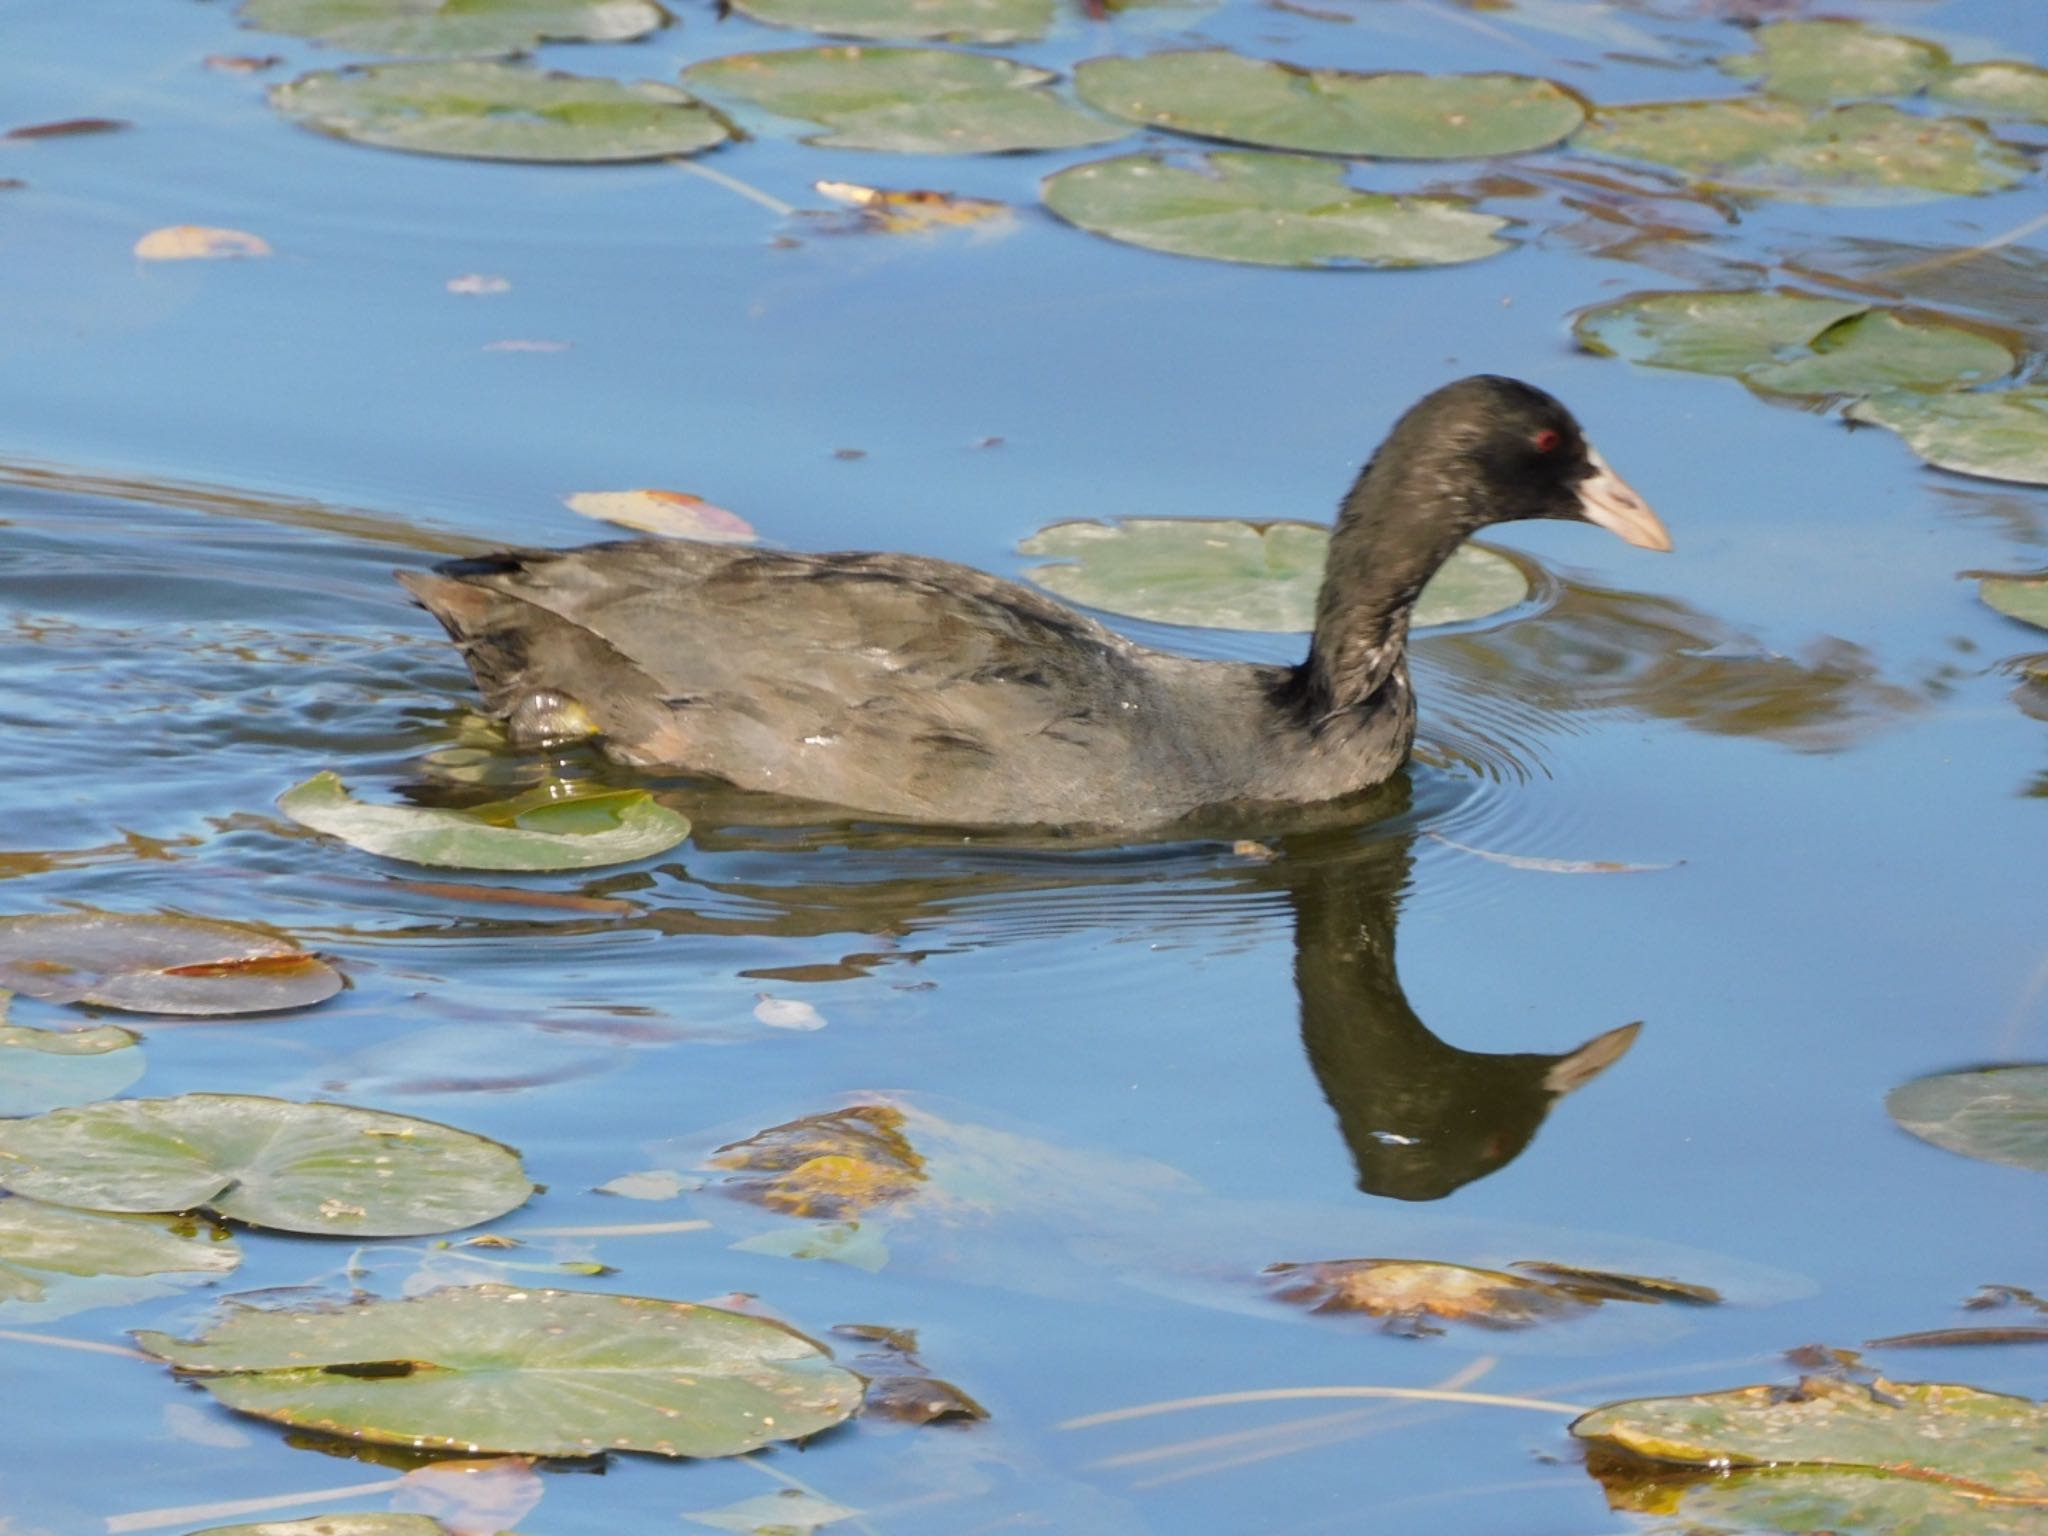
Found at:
[921, 690]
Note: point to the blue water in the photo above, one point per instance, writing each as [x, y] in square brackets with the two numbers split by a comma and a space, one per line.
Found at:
[1801, 709]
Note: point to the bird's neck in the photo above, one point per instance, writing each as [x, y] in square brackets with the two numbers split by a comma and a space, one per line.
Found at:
[1382, 553]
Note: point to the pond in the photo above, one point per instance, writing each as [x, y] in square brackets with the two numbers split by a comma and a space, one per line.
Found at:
[1702, 856]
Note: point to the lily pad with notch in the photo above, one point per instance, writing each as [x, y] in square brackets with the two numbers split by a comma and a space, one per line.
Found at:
[552, 827]
[1213, 93]
[149, 964]
[1994, 1114]
[958, 21]
[488, 110]
[317, 1168]
[929, 101]
[1789, 343]
[1225, 574]
[1995, 436]
[1863, 153]
[516, 1371]
[427, 27]
[1267, 210]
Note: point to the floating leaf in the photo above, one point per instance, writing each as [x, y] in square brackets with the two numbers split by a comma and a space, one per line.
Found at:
[1610, 1285]
[2001, 87]
[912, 100]
[327, 1169]
[1997, 1114]
[68, 128]
[898, 1384]
[1959, 1338]
[454, 26]
[1233, 575]
[853, 1243]
[654, 1184]
[671, 514]
[1864, 153]
[197, 242]
[2019, 597]
[494, 111]
[2000, 436]
[1409, 1291]
[537, 831]
[787, 1013]
[1216, 94]
[912, 212]
[39, 1244]
[523, 1372]
[175, 965]
[834, 1166]
[1791, 343]
[1975, 1444]
[44, 1069]
[1821, 61]
[958, 21]
[1269, 210]
[789, 1512]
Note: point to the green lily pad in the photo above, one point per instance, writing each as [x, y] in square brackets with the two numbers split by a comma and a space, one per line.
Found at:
[959, 21]
[1870, 152]
[483, 110]
[175, 965]
[1269, 210]
[42, 1246]
[498, 1369]
[454, 26]
[2019, 597]
[1822, 61]
[1791, 343]
[537, 831]
[2000, 436]
[1975, 1443]
[42, 1069]
[327, 1169]
[1215, 94]
[910, 100]
[1236, 575]
[336, 1525]
[1995, 1114]
[2001, 87]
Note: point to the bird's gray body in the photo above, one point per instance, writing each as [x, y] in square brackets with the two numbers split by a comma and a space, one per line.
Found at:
[902, 686]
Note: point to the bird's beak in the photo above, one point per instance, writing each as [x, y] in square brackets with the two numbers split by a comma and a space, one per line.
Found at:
[1608, 500]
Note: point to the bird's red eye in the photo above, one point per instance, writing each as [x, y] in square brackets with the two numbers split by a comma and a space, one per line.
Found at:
[1547, 440]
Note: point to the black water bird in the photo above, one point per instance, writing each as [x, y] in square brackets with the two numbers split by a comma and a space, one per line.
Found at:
[925, 691]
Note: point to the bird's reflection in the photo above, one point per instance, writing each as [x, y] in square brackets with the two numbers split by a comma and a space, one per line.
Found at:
[1421, 1117]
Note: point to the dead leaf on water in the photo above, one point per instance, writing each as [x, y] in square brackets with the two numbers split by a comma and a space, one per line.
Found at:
[899, 1386]
[910, 212]
[670, 514]
[199, 242]
[1555, 866]
[1408, 1293]
[832, 1166]
[1952, 1338]
[1611, 1285]
[243, 63]
[70, 127]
